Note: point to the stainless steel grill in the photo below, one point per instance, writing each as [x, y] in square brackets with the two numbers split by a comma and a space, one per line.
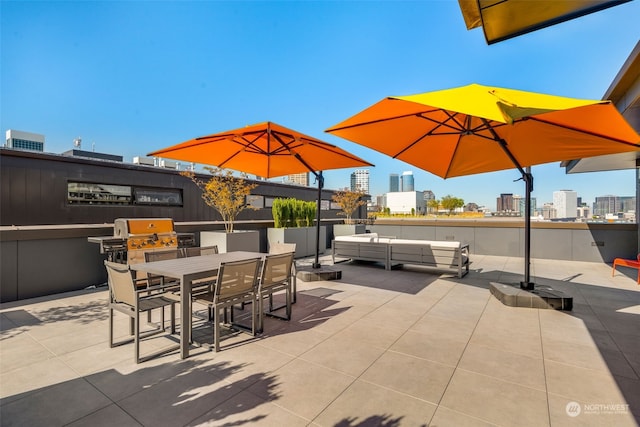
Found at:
[132, 237]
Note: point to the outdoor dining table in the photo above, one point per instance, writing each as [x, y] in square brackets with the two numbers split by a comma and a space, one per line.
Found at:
[186, 270]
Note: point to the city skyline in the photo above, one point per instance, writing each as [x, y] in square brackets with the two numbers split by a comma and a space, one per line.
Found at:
[132, 77]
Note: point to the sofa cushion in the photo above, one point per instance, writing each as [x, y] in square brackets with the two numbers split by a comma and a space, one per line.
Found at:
[433, 243]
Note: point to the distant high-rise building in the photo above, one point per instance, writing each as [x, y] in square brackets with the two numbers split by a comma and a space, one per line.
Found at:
[611, 204]
[605, 205]
[428, 195]
[517, 204]
[566, 203]
[407, 183]
[627, 203]
[298, 178]
[360, 180]
[504, 203]
[394, 183]
[20, 140]
[521, 208]
[584, 212]
[548, 211]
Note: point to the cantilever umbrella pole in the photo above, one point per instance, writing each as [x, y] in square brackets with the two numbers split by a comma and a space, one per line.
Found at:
[527, 177]
[320, 179]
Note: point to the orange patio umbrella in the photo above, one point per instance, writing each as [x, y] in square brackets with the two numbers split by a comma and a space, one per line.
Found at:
[475, 129]
[267, 150]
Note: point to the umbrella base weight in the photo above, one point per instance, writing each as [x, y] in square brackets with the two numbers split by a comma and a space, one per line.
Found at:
[315, 274]
[527, 286]
[541, 297]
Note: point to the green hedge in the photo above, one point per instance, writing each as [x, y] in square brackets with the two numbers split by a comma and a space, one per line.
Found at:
[293, 213]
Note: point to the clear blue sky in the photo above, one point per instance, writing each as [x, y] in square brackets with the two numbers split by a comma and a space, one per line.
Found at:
[130, 77]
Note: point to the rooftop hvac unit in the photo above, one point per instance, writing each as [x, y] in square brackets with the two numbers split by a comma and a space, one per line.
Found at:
[169, 164]
[148, 161]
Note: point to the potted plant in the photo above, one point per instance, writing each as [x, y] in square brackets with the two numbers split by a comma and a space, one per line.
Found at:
[348, 201]
[227, 194]
[293, 222]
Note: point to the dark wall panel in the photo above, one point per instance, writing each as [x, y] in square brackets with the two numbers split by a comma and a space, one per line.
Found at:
[34, 191]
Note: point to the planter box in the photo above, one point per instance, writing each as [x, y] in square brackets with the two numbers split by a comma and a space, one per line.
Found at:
[239, 240]
[303, 237]
[348, 229]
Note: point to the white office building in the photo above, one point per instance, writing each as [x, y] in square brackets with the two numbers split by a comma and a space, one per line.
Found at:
[566, 203]
[360, 180]
[20, 140]
[406, 202]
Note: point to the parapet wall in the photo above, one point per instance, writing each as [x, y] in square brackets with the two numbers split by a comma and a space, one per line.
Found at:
[44, 260]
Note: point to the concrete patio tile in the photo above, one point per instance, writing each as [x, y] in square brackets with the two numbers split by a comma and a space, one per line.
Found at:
[496, 401]
[333, 319]
[394, 317]
[459, 311]
[448, 417]
[504, 365]
[75, 339]
[99, 357]
[431, 323]
[353, 353]
[620, 322]
[422, 379]
[366, 404]
[573, 351]
[33, 377]
[302, 388]
[629, 345]
[630, 388]
[21, 350]
[510, 337]
[112, 415]
[182, 398]
[581, 384]
[436, 290]
[49, 405]
[362, 331]
[566, 412]
[412, 304]
[243, 364]
[343, 354]
[127, 379]
[435, 345]
[247, 408]
[295, 342]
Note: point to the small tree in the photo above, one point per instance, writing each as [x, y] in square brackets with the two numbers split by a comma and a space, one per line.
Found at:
[348, 201]
[451, 203]
[433, 205]
[224, 192]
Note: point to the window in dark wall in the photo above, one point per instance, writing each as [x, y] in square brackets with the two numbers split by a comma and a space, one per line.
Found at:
[85, 193]
[157, 196]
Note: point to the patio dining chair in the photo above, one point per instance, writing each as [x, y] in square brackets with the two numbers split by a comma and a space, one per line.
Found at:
[198, 251]
[281, 248]
[151, 256]
[236, 283]
[126, 298]
[627, 263]
[276, 275]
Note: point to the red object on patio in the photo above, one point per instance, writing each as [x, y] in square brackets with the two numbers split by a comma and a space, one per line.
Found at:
[627, 263]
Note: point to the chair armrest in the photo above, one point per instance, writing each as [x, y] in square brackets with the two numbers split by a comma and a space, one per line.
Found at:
[161, 288]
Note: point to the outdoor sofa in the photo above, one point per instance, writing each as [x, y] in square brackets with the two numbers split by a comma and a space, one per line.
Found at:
[441, 255]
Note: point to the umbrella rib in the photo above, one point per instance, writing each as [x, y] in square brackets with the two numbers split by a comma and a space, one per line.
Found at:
[386, 119]
[431, 132]
[246, 146]
[537, 119]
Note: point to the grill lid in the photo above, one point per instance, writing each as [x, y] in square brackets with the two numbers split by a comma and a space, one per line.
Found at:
[124, 227]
